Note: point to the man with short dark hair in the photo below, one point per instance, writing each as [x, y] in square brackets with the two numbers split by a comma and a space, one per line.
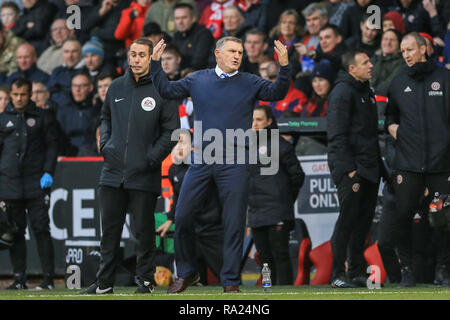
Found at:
[136, 129]
[255, 45]
[171, 61]
[331, 46]
[355, 165]
[193, 40]
[28, 150]
[368, 40]
[417, 117]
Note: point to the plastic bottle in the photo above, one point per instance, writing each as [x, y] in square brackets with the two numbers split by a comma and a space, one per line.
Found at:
[266, 280]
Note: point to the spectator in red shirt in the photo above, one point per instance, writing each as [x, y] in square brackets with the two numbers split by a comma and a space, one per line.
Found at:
[212, 16]
[132, 21]
[295, 99]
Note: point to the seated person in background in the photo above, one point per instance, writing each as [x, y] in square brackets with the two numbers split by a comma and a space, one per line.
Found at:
[93, 57]
[388, 63]
[393, 20]
[4, 97]
[271, 214]
[26, 61]
[322, 79]
[8, 47]
[331, 46]
[104, 80]
[255, 13]
[10, 13]
[52, 57]
[254, 46]
[192, 39]
[212, 16]
[76, 116]
[41, 97]
[368, 40]
[289, 32]
[316, 17]
[233, 23]
[34, 23]
[295, 99]
[171, 61]
[153, 32]
[208, 221]
[60, 81]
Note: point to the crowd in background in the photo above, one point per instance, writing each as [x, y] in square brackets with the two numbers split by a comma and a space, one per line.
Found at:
[72, 68]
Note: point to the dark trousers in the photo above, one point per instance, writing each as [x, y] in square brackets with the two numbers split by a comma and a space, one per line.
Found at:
[272, 244]
[37, 210]
[232, 185]
[209, 249]
[357, 201]
[396, 225]
[114, 205]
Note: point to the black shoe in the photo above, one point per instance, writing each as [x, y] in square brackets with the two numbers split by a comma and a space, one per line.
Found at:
[342, 283]
[408, 279]
[144, 286]
[97, 289]
[47, 284]
[442, 276]
[360, 281]
[17, 285]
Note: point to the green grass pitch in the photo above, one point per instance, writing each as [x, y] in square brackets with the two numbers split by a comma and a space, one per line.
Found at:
[389, 292]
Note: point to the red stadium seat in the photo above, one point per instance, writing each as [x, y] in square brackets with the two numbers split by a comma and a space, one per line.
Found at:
[322, 258]
[373, 257]
[304, 263]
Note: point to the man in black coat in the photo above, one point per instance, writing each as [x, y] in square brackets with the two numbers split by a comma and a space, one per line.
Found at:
[193, 40]
[417, 117]
[136, 129]
[28, 151]
[355, 165]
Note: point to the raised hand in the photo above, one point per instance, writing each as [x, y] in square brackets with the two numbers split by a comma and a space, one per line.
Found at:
[281, 50]
[158, 50]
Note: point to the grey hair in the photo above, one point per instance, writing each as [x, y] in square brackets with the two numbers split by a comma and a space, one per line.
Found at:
[221, 42]
[313, 7]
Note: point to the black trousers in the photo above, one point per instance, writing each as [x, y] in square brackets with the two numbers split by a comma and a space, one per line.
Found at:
[114, 205]
[396, 225]
[37, 210]
[272, 244]
[357, 201]
[209, 251]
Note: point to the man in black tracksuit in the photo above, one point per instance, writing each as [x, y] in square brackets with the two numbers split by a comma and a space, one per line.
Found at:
[136, 128]
[28, 152]
[418, 117]
[355, 165]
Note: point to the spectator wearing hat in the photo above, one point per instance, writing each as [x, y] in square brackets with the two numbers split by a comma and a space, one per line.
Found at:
[294, 100]
[393, 20]
[132, 21]
[26, 60]
[93, 56]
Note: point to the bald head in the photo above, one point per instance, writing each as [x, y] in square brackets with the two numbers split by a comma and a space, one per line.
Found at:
[26, 56]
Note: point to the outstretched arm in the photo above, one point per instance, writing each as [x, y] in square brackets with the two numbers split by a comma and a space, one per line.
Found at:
[167, 89]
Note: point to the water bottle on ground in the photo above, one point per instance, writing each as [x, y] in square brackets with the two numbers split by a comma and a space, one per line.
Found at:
[266, 280]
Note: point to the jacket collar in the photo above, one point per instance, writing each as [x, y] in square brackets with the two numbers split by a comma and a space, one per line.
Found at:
[421, 69]
[31, 109]
[142, 81]
[344, 76]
